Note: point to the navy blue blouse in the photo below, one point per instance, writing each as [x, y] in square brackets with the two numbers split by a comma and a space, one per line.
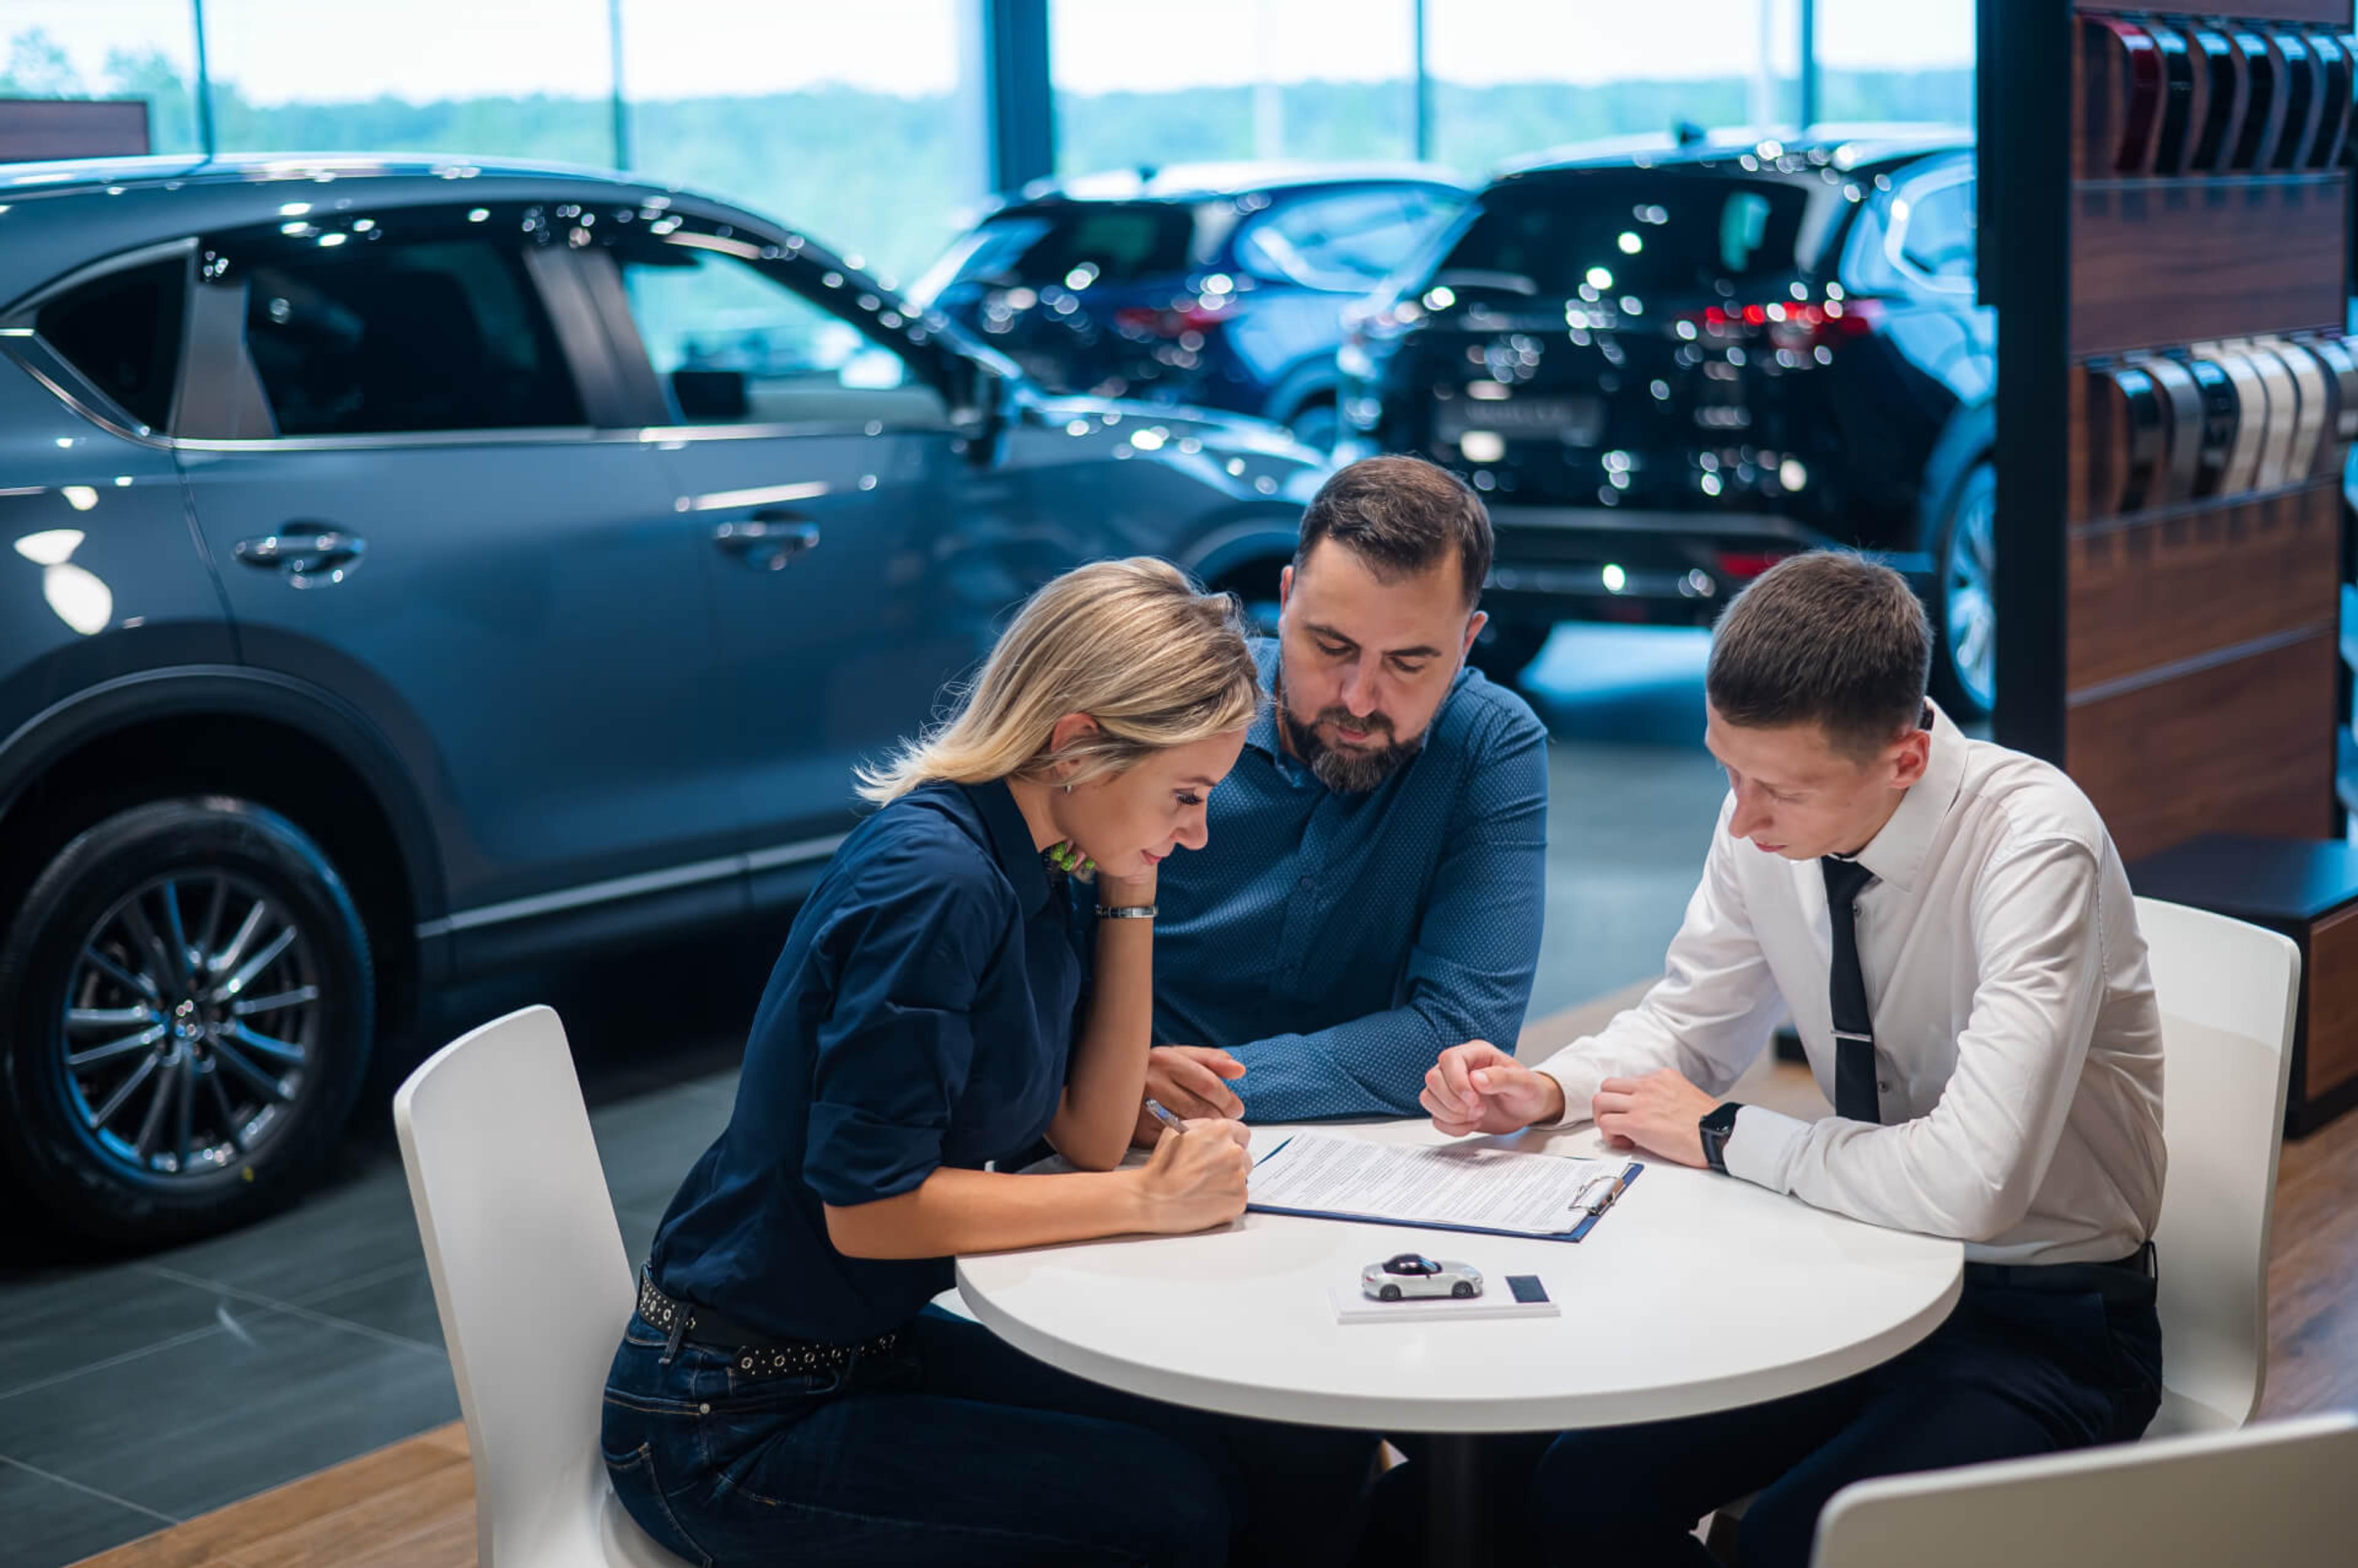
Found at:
[921, 1016]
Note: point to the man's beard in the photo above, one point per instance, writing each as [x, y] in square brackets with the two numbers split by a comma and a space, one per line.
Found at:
[1350, 770]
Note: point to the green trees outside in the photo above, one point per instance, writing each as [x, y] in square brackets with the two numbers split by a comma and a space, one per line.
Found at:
[892, 179]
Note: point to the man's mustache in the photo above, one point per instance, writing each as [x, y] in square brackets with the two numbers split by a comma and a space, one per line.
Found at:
[1344, 719]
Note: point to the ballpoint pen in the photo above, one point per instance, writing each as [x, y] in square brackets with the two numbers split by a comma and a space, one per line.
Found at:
[1161, 1113]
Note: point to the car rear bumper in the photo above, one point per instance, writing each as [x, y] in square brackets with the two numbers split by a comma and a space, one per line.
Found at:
[1576, 563]
[1561, 563]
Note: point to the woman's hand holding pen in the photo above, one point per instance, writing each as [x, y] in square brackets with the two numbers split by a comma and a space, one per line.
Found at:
[1195, 1178]
[1192, 1080]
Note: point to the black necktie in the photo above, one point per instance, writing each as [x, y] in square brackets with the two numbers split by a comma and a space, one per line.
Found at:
[1855, 1096]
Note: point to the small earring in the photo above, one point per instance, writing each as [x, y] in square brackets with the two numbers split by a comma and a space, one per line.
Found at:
[1068, 789]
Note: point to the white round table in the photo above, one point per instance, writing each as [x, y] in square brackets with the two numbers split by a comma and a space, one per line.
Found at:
[1694, 1293]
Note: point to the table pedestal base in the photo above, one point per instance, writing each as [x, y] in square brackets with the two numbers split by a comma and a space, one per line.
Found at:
[1458, 1534]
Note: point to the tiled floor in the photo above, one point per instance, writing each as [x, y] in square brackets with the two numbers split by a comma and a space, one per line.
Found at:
[135, 1393]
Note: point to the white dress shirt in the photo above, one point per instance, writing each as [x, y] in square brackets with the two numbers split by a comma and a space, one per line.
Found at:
[2018, 1049]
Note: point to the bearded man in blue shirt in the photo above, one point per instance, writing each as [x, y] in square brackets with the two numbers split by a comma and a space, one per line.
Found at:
[1373, 889]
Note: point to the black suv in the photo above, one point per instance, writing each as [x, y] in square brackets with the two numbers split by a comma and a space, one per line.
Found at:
[1668, 369]
[416, 568]
[1221, 285]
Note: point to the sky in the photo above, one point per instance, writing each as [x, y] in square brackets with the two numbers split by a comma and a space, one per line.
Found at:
[338, 50]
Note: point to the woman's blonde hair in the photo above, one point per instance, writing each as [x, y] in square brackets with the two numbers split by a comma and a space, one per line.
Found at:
[1133, 644]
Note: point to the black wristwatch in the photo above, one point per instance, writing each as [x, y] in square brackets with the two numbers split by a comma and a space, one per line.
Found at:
[1718, 1125]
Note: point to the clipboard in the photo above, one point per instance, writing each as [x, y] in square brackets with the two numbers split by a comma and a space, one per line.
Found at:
[1597, 1205]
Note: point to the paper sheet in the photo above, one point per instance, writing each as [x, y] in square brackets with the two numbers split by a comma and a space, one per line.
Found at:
[1494, 1189]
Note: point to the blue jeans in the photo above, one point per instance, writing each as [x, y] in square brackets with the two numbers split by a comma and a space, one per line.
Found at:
[2017, 1368]
[957, 1449]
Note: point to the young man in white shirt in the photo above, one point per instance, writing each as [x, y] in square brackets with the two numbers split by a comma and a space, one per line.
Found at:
[1951, 928]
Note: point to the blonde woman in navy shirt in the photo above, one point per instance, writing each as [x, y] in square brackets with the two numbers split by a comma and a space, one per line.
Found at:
[784, 1392]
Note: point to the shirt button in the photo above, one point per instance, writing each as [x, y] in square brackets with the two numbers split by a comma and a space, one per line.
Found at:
[1309, 881]
[704, 1410]
[1884, 1083]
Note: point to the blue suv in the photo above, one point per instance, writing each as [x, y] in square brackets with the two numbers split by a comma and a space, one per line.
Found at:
[1222, 286]
[408, 569]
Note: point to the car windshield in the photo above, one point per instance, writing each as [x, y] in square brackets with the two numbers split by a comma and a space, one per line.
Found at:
[1626, 230]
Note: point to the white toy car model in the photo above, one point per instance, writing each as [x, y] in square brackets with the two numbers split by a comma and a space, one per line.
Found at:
[1413, 1274]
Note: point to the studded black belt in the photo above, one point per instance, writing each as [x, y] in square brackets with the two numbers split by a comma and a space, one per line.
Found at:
[752, 1355]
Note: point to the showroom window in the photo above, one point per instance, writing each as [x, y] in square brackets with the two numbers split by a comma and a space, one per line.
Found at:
[1222, 80]
[534, 78]
[122, 331]
[123, 48]
[1511, 77]
[734, 343]
[1877, 61]
[845, 121]
[440, 332]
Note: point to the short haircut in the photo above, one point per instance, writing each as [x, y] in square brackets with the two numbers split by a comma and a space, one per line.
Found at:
[1401, 516]
[1829, 638]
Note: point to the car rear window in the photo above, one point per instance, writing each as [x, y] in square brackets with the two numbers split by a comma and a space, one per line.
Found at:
[1121, 242]
[123, 332]
[1641, 228]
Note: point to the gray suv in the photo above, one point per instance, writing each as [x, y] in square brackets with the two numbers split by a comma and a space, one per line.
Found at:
[409, 568]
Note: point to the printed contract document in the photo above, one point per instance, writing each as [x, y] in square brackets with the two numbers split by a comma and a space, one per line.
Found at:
[1458, 1186]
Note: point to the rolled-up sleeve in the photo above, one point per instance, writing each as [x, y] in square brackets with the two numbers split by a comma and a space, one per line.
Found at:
[894, 1054]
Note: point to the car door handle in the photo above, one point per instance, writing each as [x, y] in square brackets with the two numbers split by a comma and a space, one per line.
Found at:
[768, 540]
[309, 556]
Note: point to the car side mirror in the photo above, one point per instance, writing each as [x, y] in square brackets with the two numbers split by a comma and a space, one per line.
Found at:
[979, 412]
[710, 396]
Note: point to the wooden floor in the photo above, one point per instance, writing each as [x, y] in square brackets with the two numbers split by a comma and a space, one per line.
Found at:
[413, 1505]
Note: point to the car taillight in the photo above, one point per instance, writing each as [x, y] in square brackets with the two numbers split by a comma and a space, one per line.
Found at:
[1170, 324]
[1743, 566]
[1788, 324]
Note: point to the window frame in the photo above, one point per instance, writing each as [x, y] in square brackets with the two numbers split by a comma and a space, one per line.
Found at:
[925, 339]
[65, 381]
[219, 373]
[1946, 174]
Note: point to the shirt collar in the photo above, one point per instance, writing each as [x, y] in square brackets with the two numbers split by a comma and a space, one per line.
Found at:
[1896, 855]
[1010, 842]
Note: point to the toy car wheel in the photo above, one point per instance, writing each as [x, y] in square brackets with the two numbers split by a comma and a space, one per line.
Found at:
[1390, 1293]
[1462, 1289]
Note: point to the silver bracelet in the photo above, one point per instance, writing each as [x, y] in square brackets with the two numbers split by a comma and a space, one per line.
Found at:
[1126, 912]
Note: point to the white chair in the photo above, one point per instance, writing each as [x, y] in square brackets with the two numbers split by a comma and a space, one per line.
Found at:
[2228, 992]
[532, 1284]
[2267, 1494]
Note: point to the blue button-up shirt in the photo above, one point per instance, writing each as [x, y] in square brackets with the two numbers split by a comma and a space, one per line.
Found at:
[920, 1017]
[1336, 943]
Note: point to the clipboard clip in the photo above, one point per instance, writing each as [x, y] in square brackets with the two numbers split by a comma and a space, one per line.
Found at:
[1601, 1194]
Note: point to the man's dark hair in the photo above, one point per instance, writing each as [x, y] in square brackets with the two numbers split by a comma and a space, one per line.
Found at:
[1828, 638]
[1401, 516]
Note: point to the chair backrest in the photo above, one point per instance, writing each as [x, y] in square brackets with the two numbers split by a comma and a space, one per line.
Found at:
[2228, 993]
[529, 1275]
[2270, 1493]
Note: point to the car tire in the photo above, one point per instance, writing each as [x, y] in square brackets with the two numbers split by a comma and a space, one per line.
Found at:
[1506, 648]
[1390, 1293]
[1965, 613]
[186, 1014]
[1463, 1290]
[1318, 426]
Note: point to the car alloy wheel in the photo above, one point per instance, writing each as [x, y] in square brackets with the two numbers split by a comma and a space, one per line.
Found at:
[1968, 589]
[190, 1018]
